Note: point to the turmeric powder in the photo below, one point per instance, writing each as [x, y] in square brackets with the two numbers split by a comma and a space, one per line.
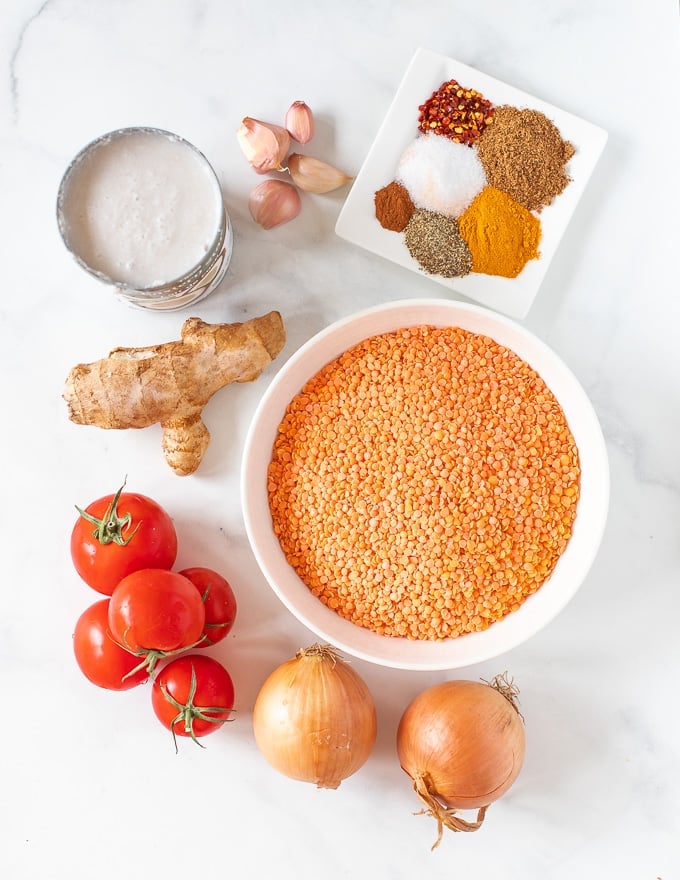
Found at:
[501, 234]
[172, 382]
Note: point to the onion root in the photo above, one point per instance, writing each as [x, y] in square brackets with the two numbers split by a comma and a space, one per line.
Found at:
[445, 817]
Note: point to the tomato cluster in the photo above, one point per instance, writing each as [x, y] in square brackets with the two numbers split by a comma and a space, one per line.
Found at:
[124, 546]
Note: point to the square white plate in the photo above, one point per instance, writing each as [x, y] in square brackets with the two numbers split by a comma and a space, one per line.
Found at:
[357, 222]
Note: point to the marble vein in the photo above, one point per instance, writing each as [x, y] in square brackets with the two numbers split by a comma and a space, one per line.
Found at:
[14, 59]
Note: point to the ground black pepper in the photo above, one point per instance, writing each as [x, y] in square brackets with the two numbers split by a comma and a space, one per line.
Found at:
[523, 155]
[434, 242]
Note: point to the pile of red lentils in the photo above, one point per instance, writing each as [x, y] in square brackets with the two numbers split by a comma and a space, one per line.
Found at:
[424, 483]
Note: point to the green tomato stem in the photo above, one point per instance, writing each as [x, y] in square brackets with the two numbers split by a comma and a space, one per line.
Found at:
[188, 712]
[152, 656]
[109, 529]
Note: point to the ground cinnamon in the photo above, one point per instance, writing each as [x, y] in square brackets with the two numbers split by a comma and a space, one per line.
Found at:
[393, 207]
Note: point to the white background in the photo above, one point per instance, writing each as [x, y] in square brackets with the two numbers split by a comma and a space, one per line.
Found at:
[90, 784]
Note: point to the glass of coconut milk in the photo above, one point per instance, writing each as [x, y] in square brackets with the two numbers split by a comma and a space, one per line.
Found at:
[141, 209]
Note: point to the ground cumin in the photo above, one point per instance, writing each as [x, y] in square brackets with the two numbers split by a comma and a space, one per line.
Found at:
[393, 206]
[523, 154]
[501, 234]
[424, 483]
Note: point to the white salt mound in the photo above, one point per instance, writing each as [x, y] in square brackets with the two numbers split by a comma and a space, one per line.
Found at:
[440, 174]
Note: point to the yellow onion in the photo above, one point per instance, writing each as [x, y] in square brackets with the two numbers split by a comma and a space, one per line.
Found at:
[462, 743]
[314, 718]
[313, 175]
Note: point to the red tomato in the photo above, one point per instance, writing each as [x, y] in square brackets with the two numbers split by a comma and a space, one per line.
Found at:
[119, 534]
[193, 696]
[156, 611]
[219, 600]
[100, 659]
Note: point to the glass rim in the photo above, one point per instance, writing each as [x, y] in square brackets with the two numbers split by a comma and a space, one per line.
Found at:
[125, 286]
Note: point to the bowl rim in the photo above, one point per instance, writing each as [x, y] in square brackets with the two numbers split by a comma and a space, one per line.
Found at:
[538, 609]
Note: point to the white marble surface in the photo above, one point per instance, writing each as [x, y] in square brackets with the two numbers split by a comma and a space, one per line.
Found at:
[90, 783]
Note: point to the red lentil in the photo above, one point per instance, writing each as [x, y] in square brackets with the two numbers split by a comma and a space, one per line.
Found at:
[424, 483]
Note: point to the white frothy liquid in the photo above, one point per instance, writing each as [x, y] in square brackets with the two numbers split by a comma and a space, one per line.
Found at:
[143, 208]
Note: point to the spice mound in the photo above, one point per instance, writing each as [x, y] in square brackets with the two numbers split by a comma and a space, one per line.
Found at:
[433, 240]
[524, 155]
[502, 235]
[441, 175]
[424, 483]
[455, 112]
[393, 207]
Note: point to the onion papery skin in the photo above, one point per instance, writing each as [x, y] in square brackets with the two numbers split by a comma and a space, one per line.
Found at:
[464, 741]
[314, 718]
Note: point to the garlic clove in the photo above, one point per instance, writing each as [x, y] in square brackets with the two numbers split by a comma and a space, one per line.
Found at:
[264, 145]
[313, 175]
[274, 202]
[299, 122]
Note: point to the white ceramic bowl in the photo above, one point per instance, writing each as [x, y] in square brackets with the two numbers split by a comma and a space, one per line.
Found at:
[538, 609]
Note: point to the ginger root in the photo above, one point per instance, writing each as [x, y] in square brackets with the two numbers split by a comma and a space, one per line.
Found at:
[171, 383]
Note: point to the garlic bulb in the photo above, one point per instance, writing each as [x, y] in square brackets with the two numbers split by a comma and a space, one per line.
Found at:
[274, 202]
[314, 719]
[264, 145]
[299, 122]
[313, 175]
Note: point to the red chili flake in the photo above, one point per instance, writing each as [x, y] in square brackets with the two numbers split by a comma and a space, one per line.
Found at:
[455, 112]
